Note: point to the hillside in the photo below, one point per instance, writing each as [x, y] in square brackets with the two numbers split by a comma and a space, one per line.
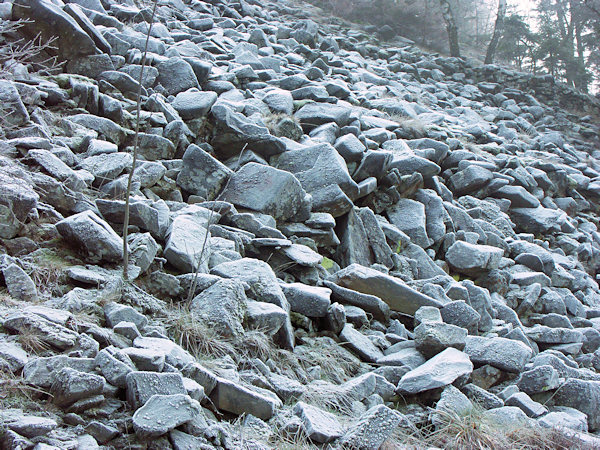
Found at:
[335, 240]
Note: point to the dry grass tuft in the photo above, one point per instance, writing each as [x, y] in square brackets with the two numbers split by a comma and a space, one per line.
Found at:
[33, 341]
[473, 431]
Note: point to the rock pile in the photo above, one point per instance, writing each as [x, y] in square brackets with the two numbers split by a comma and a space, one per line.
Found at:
[332, 238]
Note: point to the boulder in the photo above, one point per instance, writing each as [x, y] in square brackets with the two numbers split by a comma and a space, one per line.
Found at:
[162, 413]
[472, 259]
[320, 426]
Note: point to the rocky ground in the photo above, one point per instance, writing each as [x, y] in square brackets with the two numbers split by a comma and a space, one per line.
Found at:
[335, 240]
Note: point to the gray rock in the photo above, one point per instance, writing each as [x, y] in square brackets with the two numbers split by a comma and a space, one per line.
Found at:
[114, 366]
[471, 259]
[480, 396]
[223, 305]
[176, 75]
[71, 385]
[373, 428]
[310, 301]
[106, 166]
[582, 395]
[49, 20]
[518, 196]
[263, 287]
[539, 379]
[47, 331]
[238, 399]
[154, 147]
[162, 413]
[393, 291]
[202, 174]
[235, 132]
[360, 344]
[522, 401]
[104, 127]
[320, 426]
[116, 312]
[441, 370]
[506, 416]
[459, 313]
[505, 354]
[92, 235]
[315, 114]
[266, 317]
[451, 401]
[19, 284]
[268, 190]
[41, 371]
[188, 245]
[12, 357]
[409, 216]
[17, 200]
[538, 220]
[564, 416]
[350, 148]
[194, 104]
[431, 337]
[12, 106]
[141, 386]
[174, 354]
[369, 303]
[470, 179]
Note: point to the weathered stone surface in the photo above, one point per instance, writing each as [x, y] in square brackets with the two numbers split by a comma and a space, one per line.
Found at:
[162, 413]
[393, 291]
[92, 235]
[582, 395]
[49, 20]
[505, 354]
[472, 259]
[188, 245]
[360, 344]
[202, 174]
[372, 429]
[238, 399]
[320, 426]
[141, 386]
[441, 370]
[70, 385]
[409, 216]
[310, 301]
[268, 190]
[223, 306]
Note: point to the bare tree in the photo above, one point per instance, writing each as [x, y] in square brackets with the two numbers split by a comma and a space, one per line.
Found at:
[498, 31]
[451, 28]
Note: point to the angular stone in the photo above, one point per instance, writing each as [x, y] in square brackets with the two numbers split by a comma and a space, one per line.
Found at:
[471, 259]
[441, 370]
[47, 331]
[188, 245]
[538, 220]
[470, 179]
[174, 354]
[12, 357]
[505, 354]
[373, 428]
[93, 236]
[70, 386]
[48, 20]
[268, 190]
[360, 343]
[320, 426]
[431, 338]
[393, 291]
[12, 106]
[522, 401]
[582, 395]
[237, 399]
[194, 104]
[369, 303]
[315, 114]
[201, 174]
[141, 386]
[41, 371]
[19, 285]
[409, 216]
[310, 301]
[266, 317]
[223, 306]
[162, 413]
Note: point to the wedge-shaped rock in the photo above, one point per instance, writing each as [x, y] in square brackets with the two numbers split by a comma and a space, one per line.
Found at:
[202, 174]
[391, 290]
[538, 220]
[237, 399]
[48, 20]
[17, 199]
[441, 370]
[311, 301]
[268, 190]
[360, 343]
[320, 426]
[471, 259]
[70, 385]
[234, 132]
[373, 428]
[143, 385]
[46, 331]
[174, 354]
[162, 413]
[92, 235]
[188, 244]
[409, 216]
[40, 371]
[315, 114]
[502, 353]
[263, 287]
[223, 306]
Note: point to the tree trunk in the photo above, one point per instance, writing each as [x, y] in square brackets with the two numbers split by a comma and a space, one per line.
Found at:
[451, 28]
[498, 31]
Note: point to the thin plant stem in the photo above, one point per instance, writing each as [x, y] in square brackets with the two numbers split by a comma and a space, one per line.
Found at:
[135, 147]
